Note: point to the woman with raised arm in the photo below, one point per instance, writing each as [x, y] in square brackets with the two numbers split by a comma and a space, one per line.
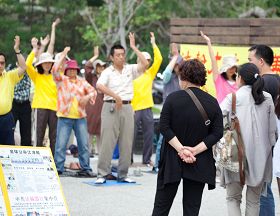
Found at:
[45, 94]
[225, 77]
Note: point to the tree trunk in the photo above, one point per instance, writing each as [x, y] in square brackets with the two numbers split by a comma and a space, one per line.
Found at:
[121, 26]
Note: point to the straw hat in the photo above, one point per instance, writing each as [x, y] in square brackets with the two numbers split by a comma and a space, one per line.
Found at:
[43, 58]
[227, 63]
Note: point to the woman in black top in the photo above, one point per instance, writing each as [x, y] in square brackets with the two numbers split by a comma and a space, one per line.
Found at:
[187, 151]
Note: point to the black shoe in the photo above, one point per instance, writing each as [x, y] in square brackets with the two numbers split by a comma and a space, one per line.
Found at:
[86, 174]
[66, 174]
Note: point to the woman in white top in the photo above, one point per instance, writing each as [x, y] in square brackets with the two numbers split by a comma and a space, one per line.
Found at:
[276, 156]
[255, 111]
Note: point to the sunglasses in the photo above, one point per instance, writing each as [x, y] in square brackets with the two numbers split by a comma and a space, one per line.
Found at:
[2, 63]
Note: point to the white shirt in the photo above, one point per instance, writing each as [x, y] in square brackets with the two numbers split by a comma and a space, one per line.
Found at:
[120, 83]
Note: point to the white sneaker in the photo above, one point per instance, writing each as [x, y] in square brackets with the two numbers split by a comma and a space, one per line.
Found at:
[126, 180]
[100, 180]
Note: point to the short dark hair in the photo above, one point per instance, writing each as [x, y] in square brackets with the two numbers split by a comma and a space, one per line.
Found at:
[2, 54]
[116, 46]
[41, 70]
[264, 52]
[193, 71]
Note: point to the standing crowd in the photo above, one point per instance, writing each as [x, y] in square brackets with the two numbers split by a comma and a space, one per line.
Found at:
[111, 102]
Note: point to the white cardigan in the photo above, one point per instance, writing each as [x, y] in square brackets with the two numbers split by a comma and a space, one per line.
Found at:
[258, 130]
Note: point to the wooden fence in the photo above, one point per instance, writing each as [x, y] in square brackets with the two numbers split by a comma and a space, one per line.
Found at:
[226, 31]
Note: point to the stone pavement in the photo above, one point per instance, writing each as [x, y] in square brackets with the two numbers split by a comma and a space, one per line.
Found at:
[135, 200]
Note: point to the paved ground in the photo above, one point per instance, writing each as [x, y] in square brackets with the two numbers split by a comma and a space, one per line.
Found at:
[134, 200]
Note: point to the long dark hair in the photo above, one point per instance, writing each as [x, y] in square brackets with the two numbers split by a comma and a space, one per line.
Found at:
[225, 76]
[250, 75]
[41, 70]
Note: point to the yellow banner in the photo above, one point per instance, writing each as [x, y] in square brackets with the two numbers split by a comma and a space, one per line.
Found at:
[241, 53]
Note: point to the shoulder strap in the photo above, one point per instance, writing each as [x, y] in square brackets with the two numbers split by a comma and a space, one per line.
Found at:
[240, 144]
[233, 104]
[199, 106]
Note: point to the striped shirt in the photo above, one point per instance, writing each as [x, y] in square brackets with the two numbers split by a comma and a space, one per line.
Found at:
[22, 89]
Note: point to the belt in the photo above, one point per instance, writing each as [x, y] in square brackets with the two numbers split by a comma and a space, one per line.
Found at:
[113, 101]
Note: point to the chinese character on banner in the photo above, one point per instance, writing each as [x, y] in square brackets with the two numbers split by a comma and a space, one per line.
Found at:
[276, 64]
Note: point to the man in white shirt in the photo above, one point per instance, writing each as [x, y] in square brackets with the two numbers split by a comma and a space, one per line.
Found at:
[117, 117]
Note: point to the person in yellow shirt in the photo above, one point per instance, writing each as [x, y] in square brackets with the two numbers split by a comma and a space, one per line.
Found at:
[8, 80]
[45, 94]
[142, 102]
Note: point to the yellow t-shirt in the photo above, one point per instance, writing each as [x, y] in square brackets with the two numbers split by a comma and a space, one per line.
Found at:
[73, 113]
[8, 80]
[45, 94]
[142, 86]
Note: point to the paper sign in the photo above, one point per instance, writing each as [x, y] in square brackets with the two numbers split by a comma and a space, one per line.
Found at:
[31, 183]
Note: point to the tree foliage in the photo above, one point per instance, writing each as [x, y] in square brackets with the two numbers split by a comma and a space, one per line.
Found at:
[86, 23]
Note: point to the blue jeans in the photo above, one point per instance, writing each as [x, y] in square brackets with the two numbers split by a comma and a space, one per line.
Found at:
[159, 142]
[7, 126]
[64, 128]
[267, 206]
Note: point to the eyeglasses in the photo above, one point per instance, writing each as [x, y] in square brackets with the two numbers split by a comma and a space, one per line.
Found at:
[2, 63]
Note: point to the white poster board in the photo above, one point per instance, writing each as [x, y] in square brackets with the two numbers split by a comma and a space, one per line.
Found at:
[31, 182]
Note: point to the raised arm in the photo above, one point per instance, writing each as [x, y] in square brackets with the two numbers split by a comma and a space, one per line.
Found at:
[168, 70]
[55, 72]
[157, 56]
[212, 56]
[52, 40]
[143, 64]
[20, 58]
[44, 42]
[31, 71]
[95, 54]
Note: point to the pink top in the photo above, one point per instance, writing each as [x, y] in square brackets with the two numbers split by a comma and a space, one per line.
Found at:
[223, 88]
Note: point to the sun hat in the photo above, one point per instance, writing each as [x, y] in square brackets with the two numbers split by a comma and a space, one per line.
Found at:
[43, 58]
[147, 55]
[71, 64]
[98, 61]
[227, 63]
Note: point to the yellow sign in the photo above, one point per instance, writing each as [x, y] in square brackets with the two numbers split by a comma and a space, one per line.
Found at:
[29, 182]
[241, 53]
